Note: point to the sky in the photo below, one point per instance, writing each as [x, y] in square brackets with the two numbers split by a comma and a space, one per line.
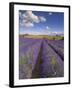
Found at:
[41, 22]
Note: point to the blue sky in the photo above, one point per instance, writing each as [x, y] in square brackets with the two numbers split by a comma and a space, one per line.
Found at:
[40, 22]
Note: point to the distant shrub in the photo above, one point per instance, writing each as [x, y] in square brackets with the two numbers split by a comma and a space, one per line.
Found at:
[53, 38]
[62, 38]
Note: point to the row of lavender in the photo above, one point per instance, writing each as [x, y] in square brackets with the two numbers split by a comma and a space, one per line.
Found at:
[51, 64]
[28, 57]
[57, 46]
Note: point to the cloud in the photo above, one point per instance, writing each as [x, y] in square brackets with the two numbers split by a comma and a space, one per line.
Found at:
[28, 19]
[50, 13]
[47, 27]
[54, 33]
[28, 16]
[42, 19]
[28, 24]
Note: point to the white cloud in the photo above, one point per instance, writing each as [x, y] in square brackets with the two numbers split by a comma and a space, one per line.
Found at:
[50, 13]
[29, 18]
[28, 24]
[32, 17]
[42, 19]
[47, 27]
[56, 33]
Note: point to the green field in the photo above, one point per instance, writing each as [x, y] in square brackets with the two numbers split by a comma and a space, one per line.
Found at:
[43, 37]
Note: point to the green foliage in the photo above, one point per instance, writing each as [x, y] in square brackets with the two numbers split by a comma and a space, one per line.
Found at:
[62, 38]
[44, 37]
[30, 54]
[53, 38]
[53, 61]
[24, 59]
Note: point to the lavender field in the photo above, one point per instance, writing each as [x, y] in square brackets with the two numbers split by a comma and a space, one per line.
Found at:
[41, 58]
